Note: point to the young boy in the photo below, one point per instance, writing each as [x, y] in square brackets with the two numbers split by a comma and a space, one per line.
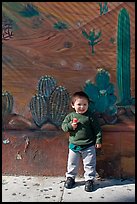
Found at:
[85, 135]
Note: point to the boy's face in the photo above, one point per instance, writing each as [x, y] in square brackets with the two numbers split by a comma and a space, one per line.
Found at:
[80, 105]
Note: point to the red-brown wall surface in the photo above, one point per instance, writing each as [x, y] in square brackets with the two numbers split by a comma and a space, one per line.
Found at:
[32, 48]
[46, 153]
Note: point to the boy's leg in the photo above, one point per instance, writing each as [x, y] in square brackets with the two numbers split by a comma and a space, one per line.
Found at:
[89, 162]
[73, 162]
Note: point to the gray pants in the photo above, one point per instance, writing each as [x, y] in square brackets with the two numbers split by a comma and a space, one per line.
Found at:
[89, 161]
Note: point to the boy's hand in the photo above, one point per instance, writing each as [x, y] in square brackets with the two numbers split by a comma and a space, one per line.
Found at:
[98, 146]
[74, 123]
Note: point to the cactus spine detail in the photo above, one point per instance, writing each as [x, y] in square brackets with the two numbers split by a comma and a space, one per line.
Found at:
[123, 58]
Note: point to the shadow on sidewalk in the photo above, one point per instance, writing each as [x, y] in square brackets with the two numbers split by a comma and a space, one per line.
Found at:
[103, 183]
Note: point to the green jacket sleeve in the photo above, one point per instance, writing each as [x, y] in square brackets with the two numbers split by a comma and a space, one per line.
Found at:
[96, 129]
[66, 124]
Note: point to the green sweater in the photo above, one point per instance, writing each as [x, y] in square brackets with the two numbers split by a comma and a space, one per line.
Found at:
[87, 132]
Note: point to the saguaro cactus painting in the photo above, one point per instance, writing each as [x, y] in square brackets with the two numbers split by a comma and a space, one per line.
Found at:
[123, 58]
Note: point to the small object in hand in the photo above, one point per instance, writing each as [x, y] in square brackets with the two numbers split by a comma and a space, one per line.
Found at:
[75, 120]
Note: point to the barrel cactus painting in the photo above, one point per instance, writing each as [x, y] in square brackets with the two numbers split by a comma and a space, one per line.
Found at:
[46, 85]
[39, 109]
[58, 105]
[50, 104]
[7, 104]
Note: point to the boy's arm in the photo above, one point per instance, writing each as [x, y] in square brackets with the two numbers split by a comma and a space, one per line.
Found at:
[66, 124]
[97, 129]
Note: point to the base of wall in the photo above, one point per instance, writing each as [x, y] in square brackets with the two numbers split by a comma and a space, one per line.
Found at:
[45, 153]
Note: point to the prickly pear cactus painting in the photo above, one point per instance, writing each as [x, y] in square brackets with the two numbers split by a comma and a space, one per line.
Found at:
[101, 94]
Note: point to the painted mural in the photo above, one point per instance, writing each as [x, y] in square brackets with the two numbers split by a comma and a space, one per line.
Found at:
[52, 49]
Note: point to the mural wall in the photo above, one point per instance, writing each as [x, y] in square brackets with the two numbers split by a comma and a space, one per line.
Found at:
[49, 51]
[52, 49]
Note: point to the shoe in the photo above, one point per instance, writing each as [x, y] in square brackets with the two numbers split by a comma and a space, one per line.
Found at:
[89, 186]
[69, 183]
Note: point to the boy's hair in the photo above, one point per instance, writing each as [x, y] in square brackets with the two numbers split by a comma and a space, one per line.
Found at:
[79, 94]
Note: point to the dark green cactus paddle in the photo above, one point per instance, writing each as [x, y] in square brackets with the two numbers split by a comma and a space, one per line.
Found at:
[101, 93]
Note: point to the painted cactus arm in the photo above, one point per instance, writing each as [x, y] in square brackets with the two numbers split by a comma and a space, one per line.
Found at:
[95, 42]
[94, 36]
[85, 34]
[97, 36]
[103, 8]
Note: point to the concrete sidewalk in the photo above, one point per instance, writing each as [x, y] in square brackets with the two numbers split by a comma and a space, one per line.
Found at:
[51, 189]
